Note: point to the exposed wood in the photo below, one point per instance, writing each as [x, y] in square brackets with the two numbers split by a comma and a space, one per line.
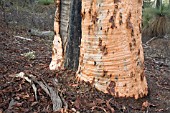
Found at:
[111, 53]
[57, 49]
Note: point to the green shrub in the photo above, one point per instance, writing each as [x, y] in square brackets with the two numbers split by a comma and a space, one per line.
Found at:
[45, 2]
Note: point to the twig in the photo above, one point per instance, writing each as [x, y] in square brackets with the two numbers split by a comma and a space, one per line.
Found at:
[99, 108]
[109, 106]
[150, 40]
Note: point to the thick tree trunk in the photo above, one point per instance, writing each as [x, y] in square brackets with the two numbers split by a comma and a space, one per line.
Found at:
[67, 27]
[111, 53]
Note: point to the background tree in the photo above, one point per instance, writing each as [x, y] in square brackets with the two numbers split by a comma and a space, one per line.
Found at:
[158, 3]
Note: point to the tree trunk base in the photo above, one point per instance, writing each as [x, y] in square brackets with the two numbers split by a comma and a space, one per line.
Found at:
[139, 90]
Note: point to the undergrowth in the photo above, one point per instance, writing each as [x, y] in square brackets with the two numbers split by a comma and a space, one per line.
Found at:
[45, 2]
[150, 13]
[156, 21]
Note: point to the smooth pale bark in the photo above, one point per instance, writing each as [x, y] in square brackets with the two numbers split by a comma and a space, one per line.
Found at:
[111, 53]
[67, 27]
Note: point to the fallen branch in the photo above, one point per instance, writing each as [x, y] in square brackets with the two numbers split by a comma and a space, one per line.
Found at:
[51, 92]
[38, 33]
[22, 75]
[20, 37]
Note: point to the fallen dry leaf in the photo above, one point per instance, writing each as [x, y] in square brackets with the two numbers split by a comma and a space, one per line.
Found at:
[1, 110]
[99, 101]
[77, 103]
[145, 105]
[18, 104]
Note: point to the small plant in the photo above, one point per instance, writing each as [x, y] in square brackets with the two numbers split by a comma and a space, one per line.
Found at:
[29, 55]
[45, 2]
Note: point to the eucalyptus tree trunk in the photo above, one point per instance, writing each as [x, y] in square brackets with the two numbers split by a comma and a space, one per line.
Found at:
[67, 27]
[111, 53]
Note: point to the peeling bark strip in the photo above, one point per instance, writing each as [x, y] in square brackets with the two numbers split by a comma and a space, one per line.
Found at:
[111, 53]
[67, 27]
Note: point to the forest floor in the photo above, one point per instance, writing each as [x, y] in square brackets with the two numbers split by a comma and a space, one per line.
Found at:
[79, 97]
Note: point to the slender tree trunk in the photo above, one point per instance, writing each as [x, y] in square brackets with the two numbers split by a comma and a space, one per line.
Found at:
[67, 27]
[111, 53]
[158, 3]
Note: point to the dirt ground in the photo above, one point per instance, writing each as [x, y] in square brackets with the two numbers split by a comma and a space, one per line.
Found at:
[79, 96]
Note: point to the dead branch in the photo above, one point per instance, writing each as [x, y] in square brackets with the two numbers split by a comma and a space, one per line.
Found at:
[23, 38]
[51, 92]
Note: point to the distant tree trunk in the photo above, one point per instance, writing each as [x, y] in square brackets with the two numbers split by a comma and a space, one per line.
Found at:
[158, 3]
[67, 27]
[111, 53]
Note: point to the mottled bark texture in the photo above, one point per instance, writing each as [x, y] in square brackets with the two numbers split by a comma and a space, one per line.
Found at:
[111, 53]
[67, 27]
